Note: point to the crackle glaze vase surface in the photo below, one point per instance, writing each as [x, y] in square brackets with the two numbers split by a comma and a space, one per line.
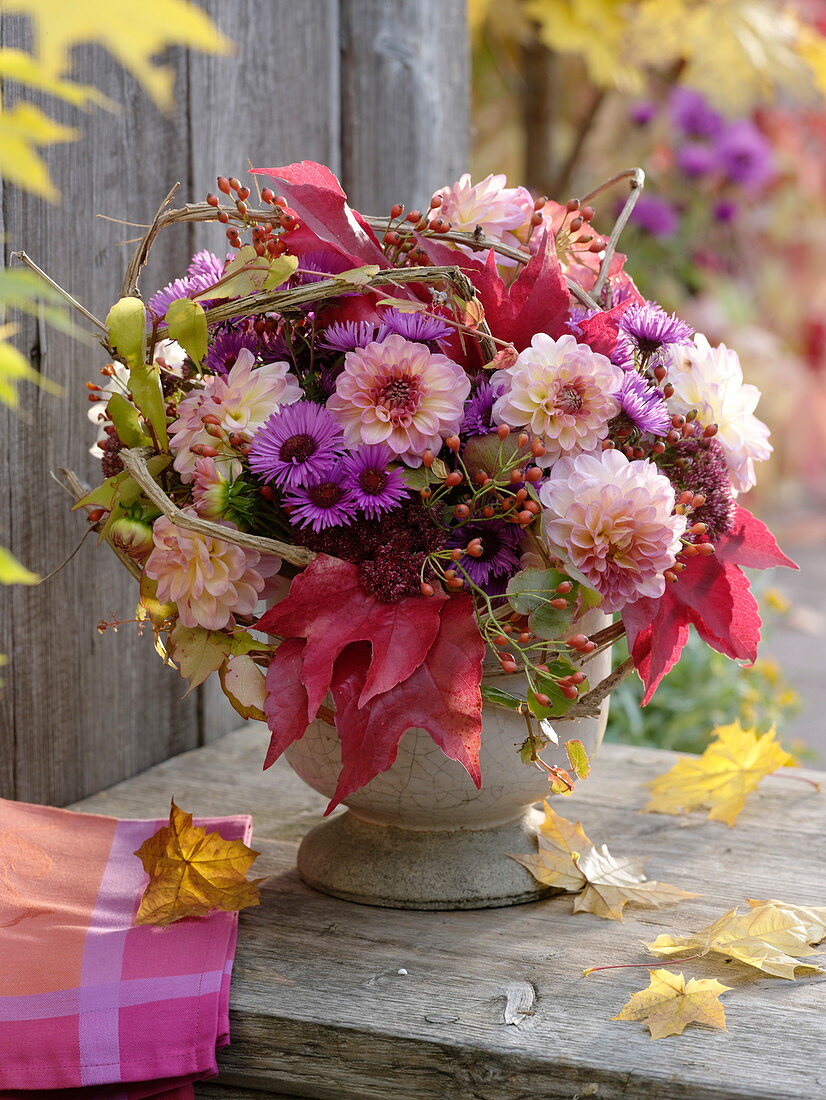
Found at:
[420, 835]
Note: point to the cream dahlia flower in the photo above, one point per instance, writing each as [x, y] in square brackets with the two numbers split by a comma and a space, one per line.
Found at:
[399, 393]
[242, 401]
[613, 520]
[210, 580]
[561, 391]
[503, 213]
[711, 380]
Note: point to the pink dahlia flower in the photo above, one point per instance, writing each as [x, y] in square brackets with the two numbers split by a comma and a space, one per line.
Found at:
[210, 490]
[241, 400]
[504, 213]
[399, 393]
[561, 391]
[613, 520]
[210, 580]
[710, 380]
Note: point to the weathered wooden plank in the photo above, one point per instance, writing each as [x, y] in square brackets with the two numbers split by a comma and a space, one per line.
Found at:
[320, 1009]
[405, 99]
[273, 101]
[80, 709]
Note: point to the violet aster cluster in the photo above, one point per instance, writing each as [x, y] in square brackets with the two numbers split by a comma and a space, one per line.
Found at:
[649, 329]
[377, 488]
[205, 269]
[500, 556]
[413, 326]
[296, 444]
[643, 405]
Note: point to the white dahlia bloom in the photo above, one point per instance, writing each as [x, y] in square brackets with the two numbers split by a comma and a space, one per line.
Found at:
[613, 520]
[562, 391]
[710, 380]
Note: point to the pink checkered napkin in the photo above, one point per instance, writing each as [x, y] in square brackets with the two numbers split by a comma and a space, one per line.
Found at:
[89, 1003]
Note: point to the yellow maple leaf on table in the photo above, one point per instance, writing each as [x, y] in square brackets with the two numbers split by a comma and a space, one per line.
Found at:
[813, 918]
[133, 38]
[770, 937]
[193, 872]
[721, 779]
[569, 861]
[670, 1004]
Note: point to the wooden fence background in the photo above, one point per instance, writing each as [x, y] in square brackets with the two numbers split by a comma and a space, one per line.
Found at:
[378, 90]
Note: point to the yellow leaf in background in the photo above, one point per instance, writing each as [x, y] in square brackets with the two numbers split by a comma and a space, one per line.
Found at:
[568, 860]
[134, 36]
[23, 129]
[25, 69]
[13, 572]
[770, 938]
[612, 884]
[595, 29]
[193, 872]
[670, 1004]
[727, 772]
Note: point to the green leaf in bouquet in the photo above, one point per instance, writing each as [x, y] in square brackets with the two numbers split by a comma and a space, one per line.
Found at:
[501, 698]
[551, 623]
[532, 588]
[186, 324]
[492, 454]
[126, 330]
[145, 387]
[421, 476]
[358, 276]
[404, 305]
[578, 758]
[247, 272]
[546, 684]
[127, 423]
[199, 652]
[105, 494]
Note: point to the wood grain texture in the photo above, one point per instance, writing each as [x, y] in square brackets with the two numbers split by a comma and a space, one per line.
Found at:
[80, 709]
[493, 1005]
[405, 100]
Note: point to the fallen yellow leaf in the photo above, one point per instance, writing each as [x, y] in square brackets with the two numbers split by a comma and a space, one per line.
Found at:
[670, 1004]
[769, 937]
[192, 872]
[813, 918]
[612, 884]
[568, 860]
[727, 772]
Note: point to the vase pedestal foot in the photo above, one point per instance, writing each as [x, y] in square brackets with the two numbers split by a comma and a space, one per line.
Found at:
[418, 869]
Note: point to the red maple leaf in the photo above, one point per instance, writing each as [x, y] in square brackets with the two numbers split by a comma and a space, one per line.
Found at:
[600, 331]
[442, 696]
[713, 595]
[329, 607]
[315, 195]
[536, 301]
[286, 703]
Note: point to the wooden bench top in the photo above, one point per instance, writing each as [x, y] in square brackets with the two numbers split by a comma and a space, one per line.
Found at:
[338, 1001]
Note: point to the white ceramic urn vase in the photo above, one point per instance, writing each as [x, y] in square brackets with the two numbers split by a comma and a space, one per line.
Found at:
[420, 835]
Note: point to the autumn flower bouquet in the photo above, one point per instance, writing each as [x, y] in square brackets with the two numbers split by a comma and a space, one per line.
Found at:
[433, 442]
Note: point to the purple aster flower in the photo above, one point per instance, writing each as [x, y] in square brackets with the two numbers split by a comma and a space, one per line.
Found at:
[321, 264]
[223, 351]
[500, 552]
[295, 444]
[744, 155]
[348, 335]
[206, 265]
[377, 489]
[644, 406]
[477, 419]
[695, 159]
[655, 216]
[161, 300]
[328, 501]
[725, 211]
[691, 112]
[413, 326]
[648, 328]
[642, 112]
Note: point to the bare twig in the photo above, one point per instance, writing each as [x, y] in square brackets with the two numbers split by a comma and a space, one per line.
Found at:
[130, 279]
[135, 462]
[72, 485]
[588, 705]
[636, 183]
[73, 302]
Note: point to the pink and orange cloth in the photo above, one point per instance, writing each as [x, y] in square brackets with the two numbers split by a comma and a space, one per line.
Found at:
[88, 1002]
